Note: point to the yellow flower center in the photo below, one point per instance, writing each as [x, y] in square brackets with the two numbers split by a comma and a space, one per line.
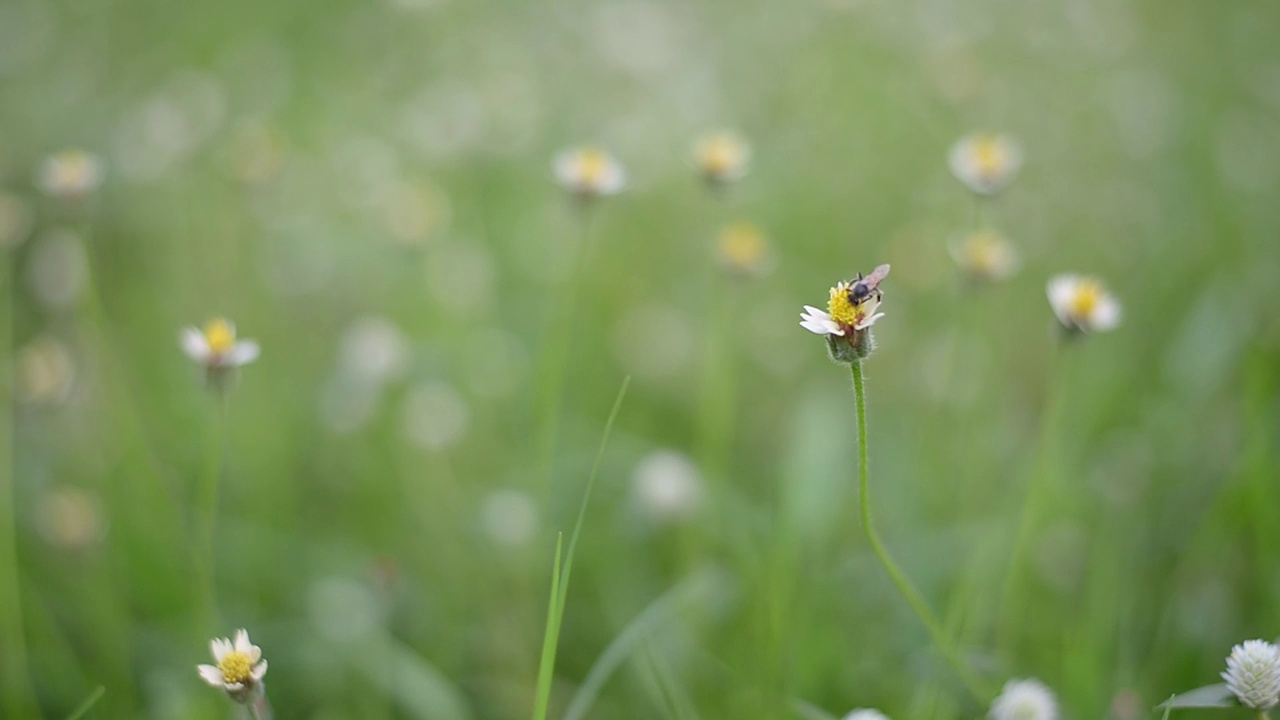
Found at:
[220, 336]
[990, 155]
[1084, 301]
[592, 166]
[236, 667]
[983, 253]
[719, 155]
[742, 245]
[841, 308]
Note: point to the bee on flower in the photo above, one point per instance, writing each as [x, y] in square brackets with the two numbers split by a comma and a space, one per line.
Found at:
[984, 256]
[216, 348]
[589, 172]
[851, 311]
[1024, 700]
[1082, 304]
[70, 174]
[239, 669]
[985, 162]
[743, 249]
[1253, 674]
[721, 157]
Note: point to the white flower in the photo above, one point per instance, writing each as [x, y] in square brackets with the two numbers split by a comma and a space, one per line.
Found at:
[215, 346]
[866, 714]
[985, 162]
[667, 486]
[984, 255]
[239, 668]
[70, 174]
[851, 311]
[1024, 700]
[1253, 674]
[589, 172]
[1082, 303]
[722, 157]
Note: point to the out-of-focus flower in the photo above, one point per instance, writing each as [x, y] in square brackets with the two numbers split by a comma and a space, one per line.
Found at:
[509, 517]
[70, 174]
[866, 714]
[667, 486]
[58, 267]
[722, 157]
[70, 518]
[15, 221]
[414, 212]
[589, 172]
[255, 151]
[985, 256]
[1253, 674]
[851, 311]
[44, 371]
[1024, 700]
[435, 416]
[216, 347]
[1083, 304]
[239, 668]
[373, 350]
[985, 162]
[743, 249]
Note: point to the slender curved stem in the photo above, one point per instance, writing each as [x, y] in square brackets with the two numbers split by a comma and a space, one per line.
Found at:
[908, 591]
[208, 508]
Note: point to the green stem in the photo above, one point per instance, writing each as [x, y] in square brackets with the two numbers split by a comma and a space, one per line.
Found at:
[206, 558]
[908, 591]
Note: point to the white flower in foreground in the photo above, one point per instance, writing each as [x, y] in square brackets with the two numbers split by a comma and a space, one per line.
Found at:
[70, 174]
[1253, 674]
[239, 668]
[985, 256]
[1024, 700]
[722, 157]
[985, 162]
[589, 172]
[851, 311]
[866, 714]
[1082, 303]
[215, 346]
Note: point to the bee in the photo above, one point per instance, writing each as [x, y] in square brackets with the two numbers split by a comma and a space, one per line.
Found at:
[861, 288]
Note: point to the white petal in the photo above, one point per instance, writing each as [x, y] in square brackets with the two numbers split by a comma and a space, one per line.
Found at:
[259, 670]
[1106, 316]
[220, 647]
[868, 322]
[815, 313]
[194, 344]
[815, 327]
[1060, 290]
[211, 675]
[242, 641]
[243, 353]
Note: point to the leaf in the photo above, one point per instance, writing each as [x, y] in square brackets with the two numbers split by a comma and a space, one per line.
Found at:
[1209, 696]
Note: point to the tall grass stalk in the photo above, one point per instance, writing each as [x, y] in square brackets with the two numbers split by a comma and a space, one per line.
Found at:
[206, 549]
[900, 580]
[563, 568]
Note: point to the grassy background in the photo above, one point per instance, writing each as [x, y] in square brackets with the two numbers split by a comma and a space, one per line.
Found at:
[300, 166]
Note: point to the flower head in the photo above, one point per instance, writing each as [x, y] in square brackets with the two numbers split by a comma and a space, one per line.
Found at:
[866, 714]
[70, 174]
[1024, 700]
[984, 256]
[722, 157]
[1253, 674]
[1083, 304]
[239, 668]
[985, 162]
[589, 172]
[743, 249]
[215, 345]
[851, 311]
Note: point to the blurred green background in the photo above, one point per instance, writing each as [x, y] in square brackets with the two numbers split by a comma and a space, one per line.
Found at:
[365, 189]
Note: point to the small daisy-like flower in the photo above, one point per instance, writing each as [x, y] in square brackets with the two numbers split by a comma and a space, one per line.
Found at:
[1024, 700]
[851, 311]
[215, 346]
[589, 172]
[722, 157]
[239, 668]
[1253, 674]
[866, 714]
[985, 256]
[1083, 304]
[742, 248]
[70, 174]
[985, 162]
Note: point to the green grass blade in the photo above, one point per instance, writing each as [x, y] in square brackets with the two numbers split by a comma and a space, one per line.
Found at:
[88, 703]
[549, 639]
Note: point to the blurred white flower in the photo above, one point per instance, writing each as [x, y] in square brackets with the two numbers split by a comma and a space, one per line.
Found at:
[16, 221]
[239, 668]
[985, 162]
[1082, 303]
[1253, 674]
[866, 714]
[435, 416]
[509, 517]
[70, 174]
[1024, 700]
[589, 172]
[722, 157]
[58, 268]
[414, 212]
[742, 248]
[44, 371]
[666, 486]
[373, 350]
[216, 347]
[70, 518]
[984, 255]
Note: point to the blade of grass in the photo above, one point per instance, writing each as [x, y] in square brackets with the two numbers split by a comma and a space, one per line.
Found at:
[88, 703]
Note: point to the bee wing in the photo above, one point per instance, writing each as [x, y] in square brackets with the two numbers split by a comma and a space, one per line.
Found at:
[874, 278]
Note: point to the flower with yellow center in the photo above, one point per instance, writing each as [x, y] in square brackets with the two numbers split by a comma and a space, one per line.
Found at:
[1083, 304]
[851, 311]
[216, 347]
[985, 255]
[239, 669]
[742, 248]
[722, 157]
[70, 174]
[589, 172]
[985, 162]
